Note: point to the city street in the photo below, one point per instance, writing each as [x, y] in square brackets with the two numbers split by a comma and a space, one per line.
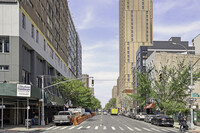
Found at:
[108, 123]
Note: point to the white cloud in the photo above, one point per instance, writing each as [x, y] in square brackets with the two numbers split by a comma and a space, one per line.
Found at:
[88, 16]
[163, 7]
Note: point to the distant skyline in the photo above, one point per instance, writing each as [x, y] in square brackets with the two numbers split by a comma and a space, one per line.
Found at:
[97, 23]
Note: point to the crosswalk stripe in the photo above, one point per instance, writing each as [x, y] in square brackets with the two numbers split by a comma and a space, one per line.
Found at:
[129, 128]
[155, 129]
[137, 129]
[147, 129]
[80, 127]
[164, 130]
[113, 128]
[96, 127]
[88, 127]
[121, 128]
[50, 127]
[71, 127]
[63, 128]
[55, 128]
[104, 128]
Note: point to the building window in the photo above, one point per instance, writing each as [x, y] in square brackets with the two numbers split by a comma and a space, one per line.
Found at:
[32, 31]
[44, 45]
[37, 36]
[4, 68]
[142, 7]
[23, 21]
[30, 3]
[4, 45]
[25, 77]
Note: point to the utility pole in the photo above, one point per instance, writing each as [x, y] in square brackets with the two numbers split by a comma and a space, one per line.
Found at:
[42, 121]
[191, 97]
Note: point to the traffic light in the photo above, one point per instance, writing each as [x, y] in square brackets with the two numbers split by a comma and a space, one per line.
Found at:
[160, 77]
[92, 82]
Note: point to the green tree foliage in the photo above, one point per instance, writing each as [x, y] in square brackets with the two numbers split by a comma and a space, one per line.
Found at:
[143, 91]
[170, 94]
[78, 94]
[111, 103]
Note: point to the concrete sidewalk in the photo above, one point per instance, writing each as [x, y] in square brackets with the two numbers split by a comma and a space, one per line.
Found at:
[23, 128]
[196, 128]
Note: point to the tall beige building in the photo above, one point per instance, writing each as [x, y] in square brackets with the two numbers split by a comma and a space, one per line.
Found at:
[135, 30]
[114, 92]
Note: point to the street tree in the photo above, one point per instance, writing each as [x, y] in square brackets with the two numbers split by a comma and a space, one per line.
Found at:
[170, 93]
[143, 89]
[78, 94]
[111, 103]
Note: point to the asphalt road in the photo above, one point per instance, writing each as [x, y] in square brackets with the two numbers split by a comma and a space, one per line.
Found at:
[109, 124]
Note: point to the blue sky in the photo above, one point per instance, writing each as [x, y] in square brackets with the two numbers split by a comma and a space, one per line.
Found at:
[97, 23]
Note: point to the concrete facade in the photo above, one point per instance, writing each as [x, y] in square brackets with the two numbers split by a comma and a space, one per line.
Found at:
[114, 92]
[196, 44]
[36, 38]
[85, 80]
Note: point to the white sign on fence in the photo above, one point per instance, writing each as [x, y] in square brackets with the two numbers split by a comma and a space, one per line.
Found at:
[23, 90]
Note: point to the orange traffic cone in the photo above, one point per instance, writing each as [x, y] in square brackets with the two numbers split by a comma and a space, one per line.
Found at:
[75, 121]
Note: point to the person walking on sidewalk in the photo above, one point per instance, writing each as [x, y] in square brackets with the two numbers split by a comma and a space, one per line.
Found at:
[179, 117]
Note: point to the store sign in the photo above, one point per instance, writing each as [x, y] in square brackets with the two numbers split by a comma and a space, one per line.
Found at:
[23, 90]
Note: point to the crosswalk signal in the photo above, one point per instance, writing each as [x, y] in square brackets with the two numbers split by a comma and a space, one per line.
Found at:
[92, 82]
[160, 77]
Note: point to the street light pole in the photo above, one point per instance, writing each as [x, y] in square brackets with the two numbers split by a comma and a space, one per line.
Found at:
[42, 121]
[191, 103]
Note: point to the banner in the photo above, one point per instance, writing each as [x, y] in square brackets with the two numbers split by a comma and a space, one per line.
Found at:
[23, 90]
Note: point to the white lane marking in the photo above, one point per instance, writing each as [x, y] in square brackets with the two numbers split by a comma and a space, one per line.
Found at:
[121, 128]
[104, 128]
[80, 127]
[137, 129]
[96, 127]
[129, 128]
[113, 128]
[155, 129]
[63, 128]
[88, 127]
[112, 117]
[50, 127]
[146, 129]
[55, 128]
[164, 130]
[71, 128]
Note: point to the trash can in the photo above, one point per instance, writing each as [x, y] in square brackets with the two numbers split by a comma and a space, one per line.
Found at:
[29, 122]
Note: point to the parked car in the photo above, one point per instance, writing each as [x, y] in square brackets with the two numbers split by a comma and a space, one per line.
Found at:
[105, 113]
[148, 118]
[162, 120]
[141, 116]
[63, 117]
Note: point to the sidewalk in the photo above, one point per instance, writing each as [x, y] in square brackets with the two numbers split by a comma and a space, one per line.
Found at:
[22, 128]
[196, 128]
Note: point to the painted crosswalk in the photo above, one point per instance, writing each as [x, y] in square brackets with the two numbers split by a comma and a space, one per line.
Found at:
[113, 128]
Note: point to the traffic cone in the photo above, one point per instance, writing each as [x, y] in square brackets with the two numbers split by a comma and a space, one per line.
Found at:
[47, 122]
[75, 121]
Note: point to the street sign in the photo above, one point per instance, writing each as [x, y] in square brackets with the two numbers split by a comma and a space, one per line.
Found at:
[191, 87]
[195, 95]
[1, 106]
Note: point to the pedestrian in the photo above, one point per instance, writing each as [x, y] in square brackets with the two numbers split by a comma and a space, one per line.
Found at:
[179, 117]
[181, 123]
[33, 118]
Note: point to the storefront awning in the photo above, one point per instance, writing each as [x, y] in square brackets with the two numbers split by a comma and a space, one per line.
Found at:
[149, 106]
